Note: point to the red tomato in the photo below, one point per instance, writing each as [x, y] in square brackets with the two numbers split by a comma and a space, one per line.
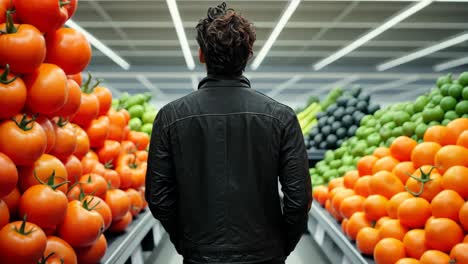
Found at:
[88, 110]
[117, 118]
[43, 168]
[128, 147]
[4, 214]
[22, 47]
[94, 184]
[22, 242]
[142, 155]
[136, 201]
[109, 152]
[22, 140]
[38, 197]
[88, 164]
[47, 89]
[102, 208]
[140, 139]
[74, 169]
[78, 78]
[34, 12]
[69, 49]
[142, 193]
[8, 175]
[48, 127]
[104, 96]
[82, 142]
[73, 102]
[129, 166]
[65, 140]
[12, 94]
[92, 254]
[61, 251]
[121, 225]
[12, 201]
[119, 203]
[112, 178]
[98, 131]
[82, 225]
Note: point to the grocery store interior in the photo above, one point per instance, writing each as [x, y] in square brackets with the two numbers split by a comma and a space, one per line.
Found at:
[380, 89]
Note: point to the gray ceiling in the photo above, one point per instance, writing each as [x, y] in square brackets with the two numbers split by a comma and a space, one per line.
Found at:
[142, 32]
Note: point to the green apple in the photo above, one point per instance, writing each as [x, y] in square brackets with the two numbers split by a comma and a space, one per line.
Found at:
[147, 128]
[136, 111]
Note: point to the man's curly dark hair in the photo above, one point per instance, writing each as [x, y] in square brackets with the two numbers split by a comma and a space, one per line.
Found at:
[226, 39]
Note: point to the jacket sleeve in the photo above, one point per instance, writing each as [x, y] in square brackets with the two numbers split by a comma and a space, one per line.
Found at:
[295, 181]
[161, 188]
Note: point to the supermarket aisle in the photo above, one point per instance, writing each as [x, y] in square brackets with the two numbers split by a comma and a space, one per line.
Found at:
[306, 252]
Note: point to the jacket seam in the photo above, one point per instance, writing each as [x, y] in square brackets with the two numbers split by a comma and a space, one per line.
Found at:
[229, 114]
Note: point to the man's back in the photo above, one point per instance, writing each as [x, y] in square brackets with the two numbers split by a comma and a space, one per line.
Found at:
[213, 174]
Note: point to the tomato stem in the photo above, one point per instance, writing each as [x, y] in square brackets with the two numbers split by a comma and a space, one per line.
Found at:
[425, 178]
[22, 229]
[10, 24]
[50, 181]
[109, 165]
[24, 122]
[62, 122]
[64, 3]
[86, 204]
[44, 259]
[4, 76]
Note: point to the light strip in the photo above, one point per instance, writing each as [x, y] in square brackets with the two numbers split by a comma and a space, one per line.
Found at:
[150, 86]
[395, 84]
[194, 79]
[373, 33]
[177, 20]
[275, 33]
[451, 64]
[280, 88]
[99, 45]
[424, 52]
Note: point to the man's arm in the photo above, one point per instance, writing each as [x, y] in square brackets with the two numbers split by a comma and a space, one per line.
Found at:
[161, 187]
[295, 181]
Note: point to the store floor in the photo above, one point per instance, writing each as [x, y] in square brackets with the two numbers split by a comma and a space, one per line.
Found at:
[306, 252]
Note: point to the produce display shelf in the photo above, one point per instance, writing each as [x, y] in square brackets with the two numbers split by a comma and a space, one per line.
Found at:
[142, 236]
[315, 156]
[328, 235]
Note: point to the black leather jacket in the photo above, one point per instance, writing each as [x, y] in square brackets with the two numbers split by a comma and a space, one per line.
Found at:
[214, 162]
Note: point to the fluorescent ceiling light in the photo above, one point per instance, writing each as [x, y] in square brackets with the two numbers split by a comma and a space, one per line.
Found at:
[275, 34]
[280, 88]
[373, 33]
[194, 79]
[100, 46]
[424, 52]
[177, 20]
[451, 64]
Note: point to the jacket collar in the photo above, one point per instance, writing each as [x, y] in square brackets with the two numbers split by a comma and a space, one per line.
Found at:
[224, 81]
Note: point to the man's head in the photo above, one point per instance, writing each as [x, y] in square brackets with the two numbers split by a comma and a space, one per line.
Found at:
[226, 40]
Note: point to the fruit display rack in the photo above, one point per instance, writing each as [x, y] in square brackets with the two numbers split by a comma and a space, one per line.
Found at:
[143, 235]
[327, 234]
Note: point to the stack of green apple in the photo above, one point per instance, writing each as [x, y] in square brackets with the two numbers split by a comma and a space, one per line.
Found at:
[142, 112]
[446, 102]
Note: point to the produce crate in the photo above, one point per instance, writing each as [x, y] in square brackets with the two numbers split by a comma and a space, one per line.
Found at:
[143, 235]
[327, 234]
[315, 156]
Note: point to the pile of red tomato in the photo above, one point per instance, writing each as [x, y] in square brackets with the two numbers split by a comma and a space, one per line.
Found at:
[70, 167]
[407, 204]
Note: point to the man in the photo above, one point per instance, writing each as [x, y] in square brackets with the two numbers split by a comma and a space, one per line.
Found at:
[216, 155]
